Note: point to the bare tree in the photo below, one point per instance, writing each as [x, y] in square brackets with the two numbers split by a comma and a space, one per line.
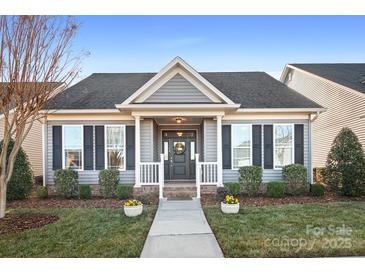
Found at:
[35, 53]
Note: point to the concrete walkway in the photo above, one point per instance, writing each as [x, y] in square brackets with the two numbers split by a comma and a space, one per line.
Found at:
[180, 230]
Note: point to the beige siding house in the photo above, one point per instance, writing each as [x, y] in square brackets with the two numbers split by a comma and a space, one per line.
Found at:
[33, 143]
[32, 146]
[340, 88]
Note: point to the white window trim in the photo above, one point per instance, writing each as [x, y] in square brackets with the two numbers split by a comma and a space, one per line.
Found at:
[232, 160]
[82, 146]
[274, 146]
[124, 148]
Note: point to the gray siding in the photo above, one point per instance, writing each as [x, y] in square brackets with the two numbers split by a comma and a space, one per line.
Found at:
[178, 90]
[210, 140]
[344, 109]
[230, 175]
[85, 176]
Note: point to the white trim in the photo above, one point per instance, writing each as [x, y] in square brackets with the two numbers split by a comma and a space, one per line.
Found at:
[82, 145]
[79, 111]
[169, 106]
[177, 61]
[251, 145]
[274, 147]
[106, 149]
[319, 77]
[293, 110]
[44, 125]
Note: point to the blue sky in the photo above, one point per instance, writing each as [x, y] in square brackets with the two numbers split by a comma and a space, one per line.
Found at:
[217, 43]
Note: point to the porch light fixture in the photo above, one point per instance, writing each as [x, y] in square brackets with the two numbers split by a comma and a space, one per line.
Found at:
[178, 120]
[179, 133]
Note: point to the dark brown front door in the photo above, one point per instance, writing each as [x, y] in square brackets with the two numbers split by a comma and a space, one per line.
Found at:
[180, 157]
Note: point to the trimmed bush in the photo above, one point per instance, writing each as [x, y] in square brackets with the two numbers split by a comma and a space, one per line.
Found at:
[317, 189]
[275, 189]
[233, 188]
[345, 166]
[67, 182]
[124, 192]
[42, 192]
[21, 180]
[85, 192]
[222, 192]
[295, 179]
[251, 179]
[108, 180]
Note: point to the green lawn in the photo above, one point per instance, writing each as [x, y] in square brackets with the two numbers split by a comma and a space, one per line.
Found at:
[281, 231]
[91, 232]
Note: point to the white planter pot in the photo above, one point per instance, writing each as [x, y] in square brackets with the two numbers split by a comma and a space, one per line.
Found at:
[133, 211]
[229, 208]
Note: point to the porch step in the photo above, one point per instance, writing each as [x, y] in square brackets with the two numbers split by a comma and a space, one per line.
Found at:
[179, 192]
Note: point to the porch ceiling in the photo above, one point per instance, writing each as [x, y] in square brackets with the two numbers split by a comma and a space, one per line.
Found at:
[185, 120]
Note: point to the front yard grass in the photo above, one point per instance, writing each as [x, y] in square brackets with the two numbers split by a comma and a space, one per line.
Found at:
[281, 230]
[81, 232]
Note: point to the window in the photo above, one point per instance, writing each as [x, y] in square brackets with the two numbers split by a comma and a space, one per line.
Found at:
[283, 145]
[115, 147]
[72, 147]
[241, 145]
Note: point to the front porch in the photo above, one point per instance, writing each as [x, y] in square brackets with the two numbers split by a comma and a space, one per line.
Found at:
[180, 154]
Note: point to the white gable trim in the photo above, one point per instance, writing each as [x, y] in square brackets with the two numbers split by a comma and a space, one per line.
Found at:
[177, 65]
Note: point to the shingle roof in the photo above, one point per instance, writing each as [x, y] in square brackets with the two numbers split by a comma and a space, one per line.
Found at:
[250, 89]
[349, 75]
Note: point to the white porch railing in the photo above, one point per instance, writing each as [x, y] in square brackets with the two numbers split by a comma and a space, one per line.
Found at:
[152, 173]
[206, 174]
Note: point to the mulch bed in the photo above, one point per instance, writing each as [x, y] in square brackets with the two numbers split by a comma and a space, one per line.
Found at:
[59, 202]
[262, 201]
[14, 223]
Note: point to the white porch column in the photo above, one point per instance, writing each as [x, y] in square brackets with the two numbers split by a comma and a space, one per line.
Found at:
[137, 150]
[219, 151]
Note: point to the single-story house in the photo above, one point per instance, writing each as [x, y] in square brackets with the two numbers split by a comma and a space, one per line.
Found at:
[32, 144]
[177, 125]
[340, 88]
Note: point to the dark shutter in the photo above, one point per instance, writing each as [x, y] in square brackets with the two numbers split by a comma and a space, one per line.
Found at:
[256, 145]
[130, 151]
[299, 144]
[99, 148]
[88, 148]
[268, 146]
[57, 147]
[226, 146]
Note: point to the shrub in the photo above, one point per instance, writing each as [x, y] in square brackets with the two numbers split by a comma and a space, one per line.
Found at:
[66, 181]
[275, 189]
[108, 180]
[21, 181]
[222, 192]
[233, 188]
[345, 166]
[124, 192]
[251, 179]
[317, 189]
[144, 198]
[85, 192]
[295, 179]
[42, 192]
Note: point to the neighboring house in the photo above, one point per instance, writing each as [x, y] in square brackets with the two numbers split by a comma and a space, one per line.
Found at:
[148, 125]
[32, 144]
[340, 88]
